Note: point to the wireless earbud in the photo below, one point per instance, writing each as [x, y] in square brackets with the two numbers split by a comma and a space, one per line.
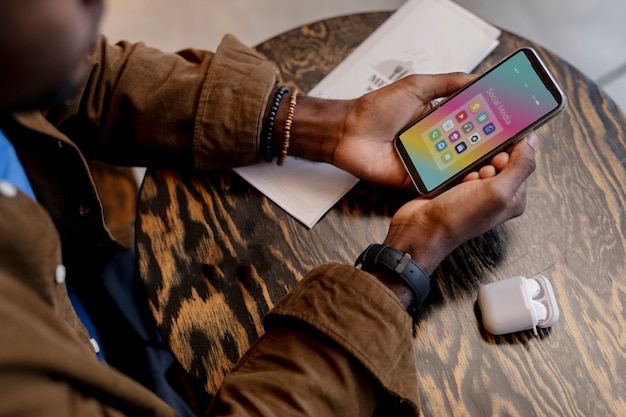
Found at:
[540, 311]
[533, 289]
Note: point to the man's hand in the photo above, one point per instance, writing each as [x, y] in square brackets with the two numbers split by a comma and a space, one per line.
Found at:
[429, 229]
[357, 135]
[366, 147]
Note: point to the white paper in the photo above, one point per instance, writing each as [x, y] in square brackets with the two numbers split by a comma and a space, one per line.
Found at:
[422, 36]
[304, 189]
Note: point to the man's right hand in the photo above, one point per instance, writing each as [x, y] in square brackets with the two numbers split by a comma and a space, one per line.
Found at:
[429, 229]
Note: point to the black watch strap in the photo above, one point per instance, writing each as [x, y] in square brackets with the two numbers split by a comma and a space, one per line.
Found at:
[385, 258]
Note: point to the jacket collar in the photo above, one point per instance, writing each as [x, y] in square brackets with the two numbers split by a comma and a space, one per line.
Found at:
[36, 121]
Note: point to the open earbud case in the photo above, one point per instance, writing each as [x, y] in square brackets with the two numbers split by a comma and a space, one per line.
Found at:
[517, 304]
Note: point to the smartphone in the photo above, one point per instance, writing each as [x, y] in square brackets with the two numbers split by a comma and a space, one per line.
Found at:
[484, 118]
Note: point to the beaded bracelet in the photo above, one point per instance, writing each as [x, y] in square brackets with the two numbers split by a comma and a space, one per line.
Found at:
[268, 130]
[288, 123]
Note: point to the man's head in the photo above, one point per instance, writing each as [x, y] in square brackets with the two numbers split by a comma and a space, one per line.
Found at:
[43, 49]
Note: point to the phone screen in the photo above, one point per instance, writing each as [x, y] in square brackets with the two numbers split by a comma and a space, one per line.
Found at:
[476, 121]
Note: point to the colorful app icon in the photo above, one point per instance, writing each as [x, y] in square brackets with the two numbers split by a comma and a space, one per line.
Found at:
[448, 125]
[461, 116]
[441, 145]
[446, 157]
[461, 147]
[435, 134]
[454, 136]
[482, 118]
[488, 128]
[468, 127]
[474, 138]
[475, 106]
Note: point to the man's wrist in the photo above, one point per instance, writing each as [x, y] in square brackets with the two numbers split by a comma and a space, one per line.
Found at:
[316, 128]
[267, 146]
[428, 246]
[388, 265]
[399, 288]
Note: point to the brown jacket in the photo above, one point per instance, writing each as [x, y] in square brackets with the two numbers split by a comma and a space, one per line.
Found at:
[338, 344]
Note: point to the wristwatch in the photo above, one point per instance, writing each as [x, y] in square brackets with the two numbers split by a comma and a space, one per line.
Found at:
[397, 263]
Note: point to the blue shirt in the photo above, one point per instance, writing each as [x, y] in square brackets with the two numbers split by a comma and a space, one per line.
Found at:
[11, 170]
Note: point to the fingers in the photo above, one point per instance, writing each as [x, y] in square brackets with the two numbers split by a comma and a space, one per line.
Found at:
[497, 164]
[507, 190]
[500, 160]
[487, 171]
[522, 161]
[442, 85]
[504, 194]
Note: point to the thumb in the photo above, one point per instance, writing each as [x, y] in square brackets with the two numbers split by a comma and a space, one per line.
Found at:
[442, 85]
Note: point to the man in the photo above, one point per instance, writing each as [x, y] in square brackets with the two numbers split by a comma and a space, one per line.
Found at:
[339, 344]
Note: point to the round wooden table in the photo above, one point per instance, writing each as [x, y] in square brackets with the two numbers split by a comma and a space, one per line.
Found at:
[216, 255]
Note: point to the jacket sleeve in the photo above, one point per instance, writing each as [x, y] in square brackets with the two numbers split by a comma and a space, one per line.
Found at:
[191, 109]
[339, 344]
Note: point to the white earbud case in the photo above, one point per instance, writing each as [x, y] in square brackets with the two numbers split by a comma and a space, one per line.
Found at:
[517, 304]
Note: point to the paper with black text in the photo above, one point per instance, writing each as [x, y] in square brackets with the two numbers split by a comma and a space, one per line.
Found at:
[422, 36]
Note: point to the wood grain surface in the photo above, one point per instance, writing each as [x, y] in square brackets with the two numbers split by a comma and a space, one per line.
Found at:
[216, 255]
